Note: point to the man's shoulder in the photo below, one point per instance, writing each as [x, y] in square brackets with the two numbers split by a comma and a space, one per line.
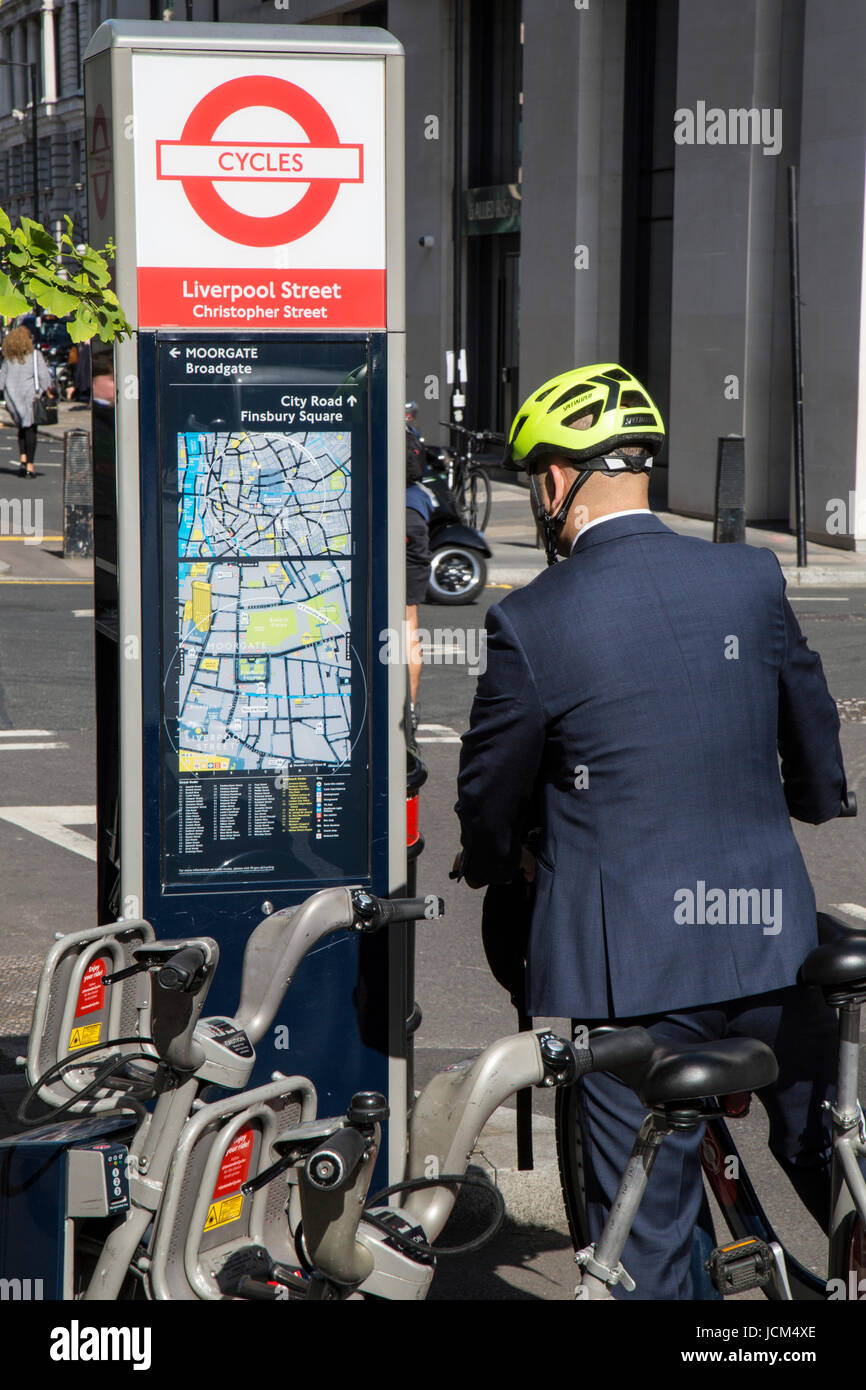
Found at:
[756, 564]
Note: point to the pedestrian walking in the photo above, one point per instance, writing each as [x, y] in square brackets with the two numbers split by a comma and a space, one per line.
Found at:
[24, 375]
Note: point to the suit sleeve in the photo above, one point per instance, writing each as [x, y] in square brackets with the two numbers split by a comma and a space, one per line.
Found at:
[500, 758]
[813, 773]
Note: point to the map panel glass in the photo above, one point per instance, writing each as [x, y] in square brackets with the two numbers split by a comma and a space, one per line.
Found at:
[264, 600]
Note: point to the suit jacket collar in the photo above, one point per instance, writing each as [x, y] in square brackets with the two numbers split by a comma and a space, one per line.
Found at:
[616, 527]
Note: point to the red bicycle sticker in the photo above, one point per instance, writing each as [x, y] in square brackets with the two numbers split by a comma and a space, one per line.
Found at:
[91, 994]
[235, 1166]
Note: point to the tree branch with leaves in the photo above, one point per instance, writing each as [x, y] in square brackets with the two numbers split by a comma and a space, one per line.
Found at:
[38, 274]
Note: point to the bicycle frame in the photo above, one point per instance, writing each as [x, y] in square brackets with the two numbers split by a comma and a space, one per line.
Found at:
[742, 1208]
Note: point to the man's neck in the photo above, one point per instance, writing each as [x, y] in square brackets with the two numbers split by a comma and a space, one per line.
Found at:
[607, 516]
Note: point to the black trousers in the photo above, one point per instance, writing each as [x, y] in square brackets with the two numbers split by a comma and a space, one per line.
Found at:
[27, 441]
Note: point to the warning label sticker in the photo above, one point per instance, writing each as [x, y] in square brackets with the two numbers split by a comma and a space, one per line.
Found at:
[85, 1037]
[221, 1213]
[91, 995]
[235, 1166]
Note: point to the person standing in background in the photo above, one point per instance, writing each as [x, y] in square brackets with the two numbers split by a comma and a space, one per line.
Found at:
[419, 507]
[24, 375]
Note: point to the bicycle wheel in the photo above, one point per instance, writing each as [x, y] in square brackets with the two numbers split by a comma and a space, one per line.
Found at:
[570, 1159]
[479, 499]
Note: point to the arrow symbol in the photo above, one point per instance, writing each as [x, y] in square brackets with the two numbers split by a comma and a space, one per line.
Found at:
[174, 352]
[353, 400]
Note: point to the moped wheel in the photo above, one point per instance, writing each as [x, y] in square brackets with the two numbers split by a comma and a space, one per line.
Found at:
[456, 575]
[570, 1158]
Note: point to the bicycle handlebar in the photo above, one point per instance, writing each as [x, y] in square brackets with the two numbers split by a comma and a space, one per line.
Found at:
[279, 943]
[333, 1163]
[372, 913]
[624, 1047]
[485, 436]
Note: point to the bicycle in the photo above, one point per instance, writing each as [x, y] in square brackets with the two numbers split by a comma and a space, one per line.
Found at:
[467, 480]
[118, 1024]
[755, 1257]
[204, 1194]
[253, 1195]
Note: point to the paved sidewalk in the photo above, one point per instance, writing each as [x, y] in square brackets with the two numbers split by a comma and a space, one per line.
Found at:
[21, 561]
[517, 559]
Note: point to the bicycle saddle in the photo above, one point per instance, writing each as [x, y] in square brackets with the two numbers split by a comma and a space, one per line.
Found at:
[841, 957]
[696, 1071]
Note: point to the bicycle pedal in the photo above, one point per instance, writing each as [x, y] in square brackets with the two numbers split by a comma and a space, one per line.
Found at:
[744, 1264]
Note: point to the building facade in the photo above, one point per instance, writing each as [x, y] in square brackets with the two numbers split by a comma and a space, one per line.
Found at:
[616, 190]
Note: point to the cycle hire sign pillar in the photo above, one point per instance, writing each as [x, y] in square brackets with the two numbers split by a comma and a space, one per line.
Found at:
[249, 479]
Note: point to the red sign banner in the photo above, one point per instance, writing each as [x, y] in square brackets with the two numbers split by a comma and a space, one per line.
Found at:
[190, 297]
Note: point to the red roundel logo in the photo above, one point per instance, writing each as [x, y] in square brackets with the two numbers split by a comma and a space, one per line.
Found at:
[199, 161]
[99, 161]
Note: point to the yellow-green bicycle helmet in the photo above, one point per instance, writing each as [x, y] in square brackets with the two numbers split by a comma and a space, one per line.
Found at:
[624, 416]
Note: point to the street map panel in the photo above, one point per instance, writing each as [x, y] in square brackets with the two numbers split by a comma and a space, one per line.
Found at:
[264, 600]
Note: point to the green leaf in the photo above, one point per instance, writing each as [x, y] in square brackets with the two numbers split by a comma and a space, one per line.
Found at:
[79, 332]
[11, 301]
[38, 236]
[57, 301]
[36, 271]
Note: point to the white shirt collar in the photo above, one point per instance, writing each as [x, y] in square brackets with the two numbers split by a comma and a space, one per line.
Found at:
[609, 516]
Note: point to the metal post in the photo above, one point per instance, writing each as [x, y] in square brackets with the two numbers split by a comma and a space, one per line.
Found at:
[77, 495]
[523, 1101]
[797, 366]
[730, 522]
[35, 136]
[457, 212]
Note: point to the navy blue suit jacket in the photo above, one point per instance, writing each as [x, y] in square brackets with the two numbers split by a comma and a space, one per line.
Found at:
[633, 703]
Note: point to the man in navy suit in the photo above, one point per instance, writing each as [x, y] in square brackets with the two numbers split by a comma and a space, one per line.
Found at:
[627, 725]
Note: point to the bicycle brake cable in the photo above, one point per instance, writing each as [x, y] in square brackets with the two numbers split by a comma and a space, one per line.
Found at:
[444, 1180]
[67, 1064]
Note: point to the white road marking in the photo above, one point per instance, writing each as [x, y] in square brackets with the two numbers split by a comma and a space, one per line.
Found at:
[437, 733]
[26, 733]
[816, 598]
[852, 909]
[17, 747]
[83, 613]
[53, 822]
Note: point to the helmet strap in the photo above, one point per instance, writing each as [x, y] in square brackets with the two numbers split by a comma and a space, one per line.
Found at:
[552, 523]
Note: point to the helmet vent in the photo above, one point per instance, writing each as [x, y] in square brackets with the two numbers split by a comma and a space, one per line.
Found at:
[629, 400]
[593, 411]
[617, 374]
[582, 389]
[546, 392]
